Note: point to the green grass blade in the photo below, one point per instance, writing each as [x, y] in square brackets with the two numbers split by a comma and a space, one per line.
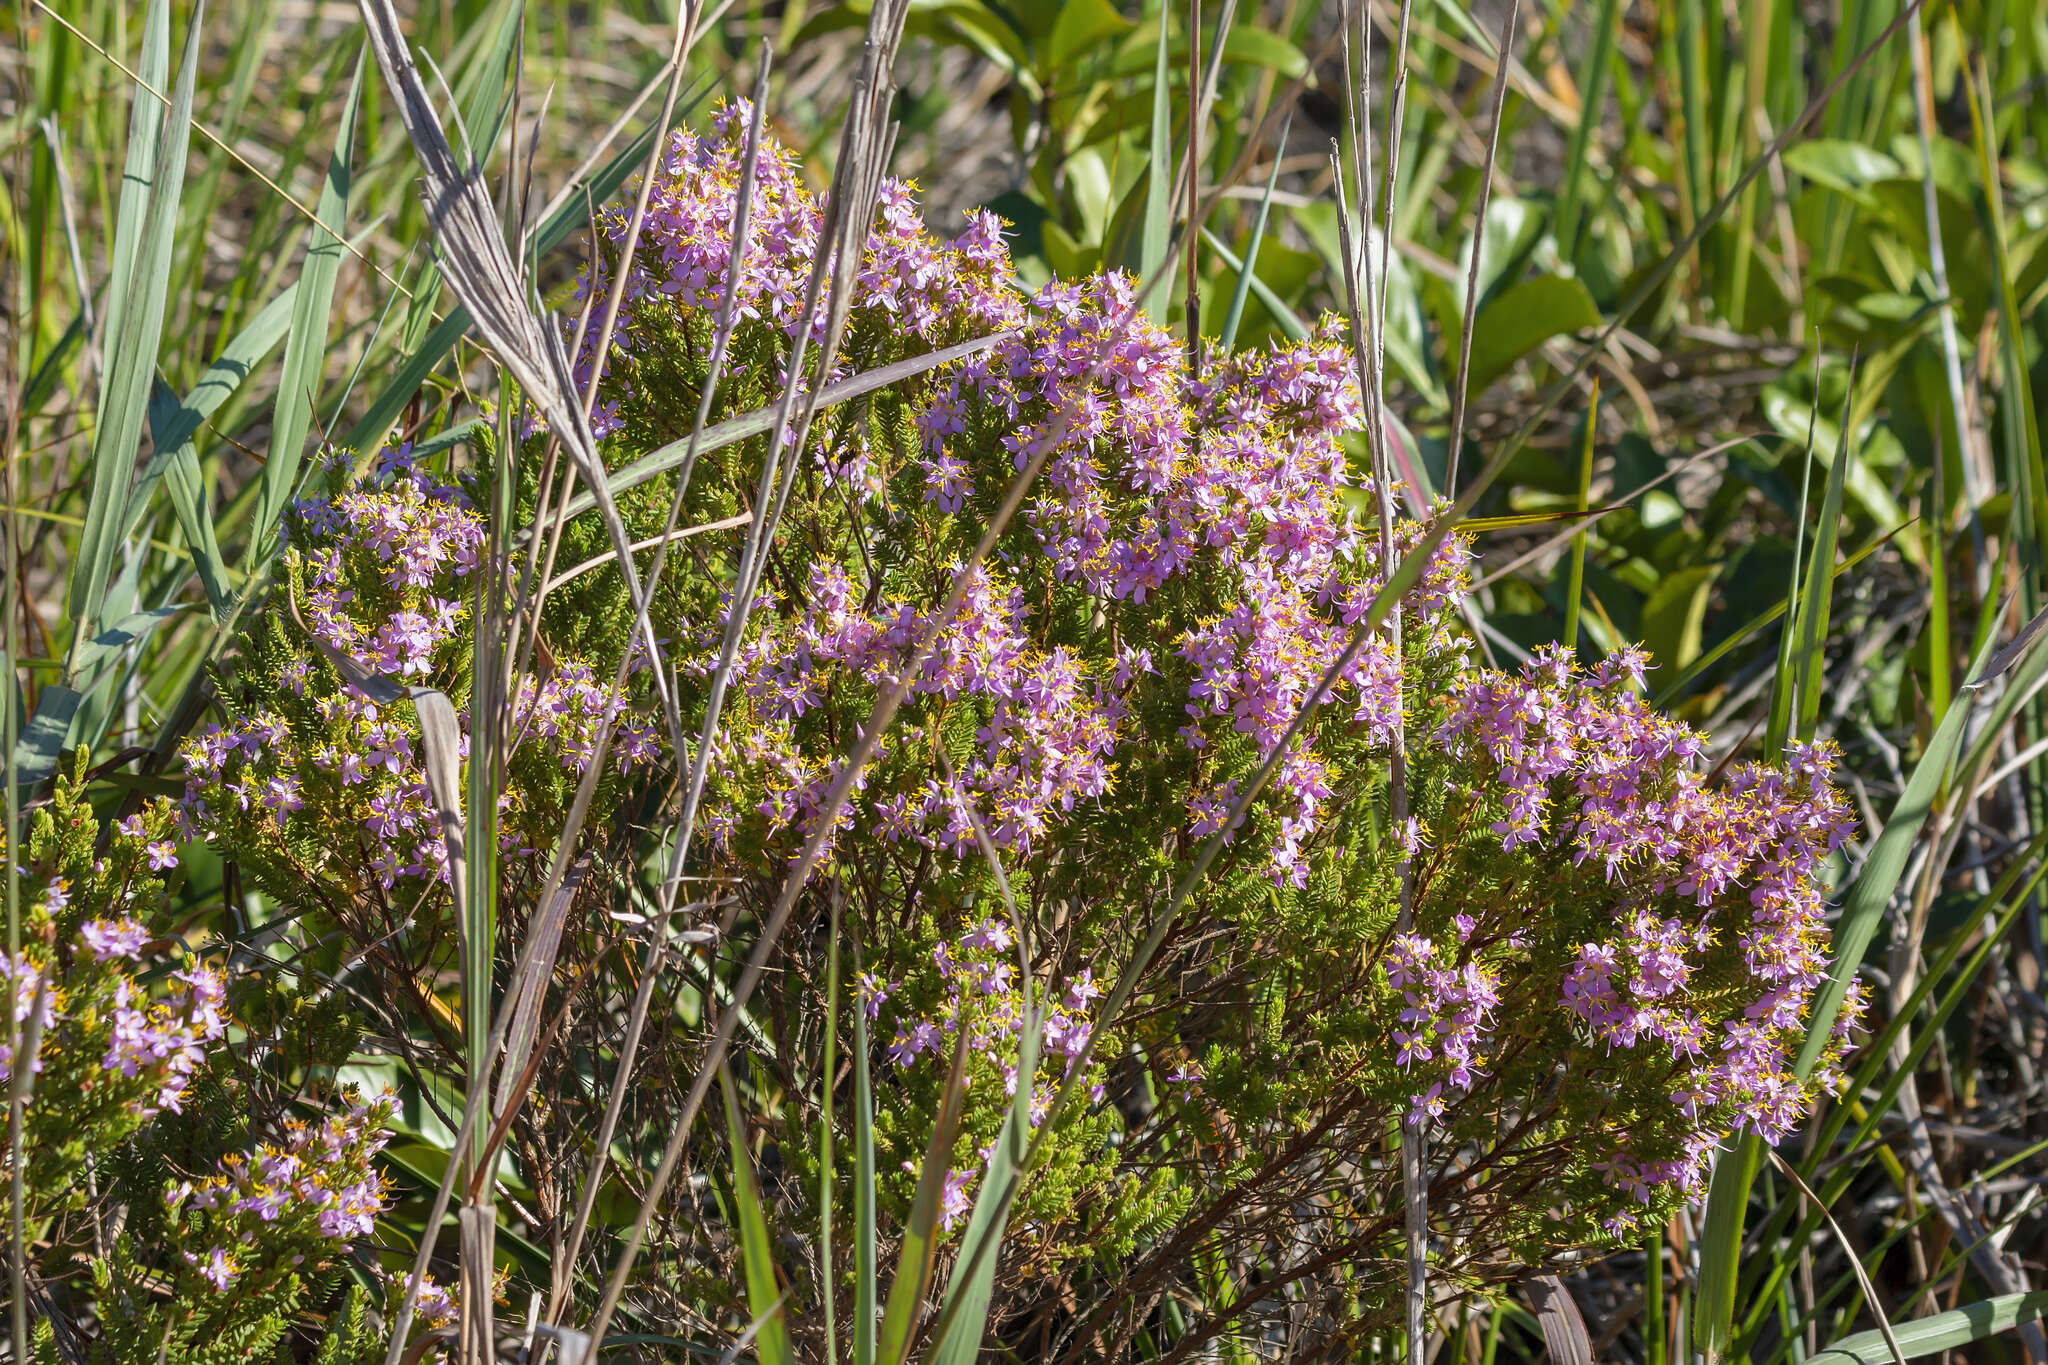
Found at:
[771, 1340]
[185, 487]
[920, 1241]
[138, 174]
[865, 1271]
[1592, 95]
[1247, 273]
[1865, 904]
[2033, 489]
[965, 1310]
[1575, 586]
[1817, 596]
[1156, 239]
[239, 359]
[305, 347]
[1734, 639]
[825, 1174]
[1290, 322]
[122, 414]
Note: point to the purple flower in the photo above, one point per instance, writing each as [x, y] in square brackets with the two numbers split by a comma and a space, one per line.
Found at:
[110, 939]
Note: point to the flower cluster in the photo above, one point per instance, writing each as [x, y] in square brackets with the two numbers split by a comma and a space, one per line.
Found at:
[1714, 940]
[283, 1205]
[1211, 520]
[314, 770]
[907, 280]
[982, 1007]
[116, 1037]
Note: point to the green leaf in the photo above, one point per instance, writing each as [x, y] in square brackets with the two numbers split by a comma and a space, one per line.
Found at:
[1523, 318]
[1592, 93]
[1246, 274]
[1863, 908]
[974, 1270]
[305, 348]
[1847, 167]
[125, 408]
[1081, 29]
[237, 361]
[919, 1244]
[41, 741]
[1940, 1332]
[1675, 613]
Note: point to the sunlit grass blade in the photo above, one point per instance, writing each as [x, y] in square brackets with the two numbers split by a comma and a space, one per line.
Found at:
[2033, 481]
[1156, 234]
[1940, 1332]
[185, 488]
[1575, 583]
[138, 176]
[305, 347]
[390, 403]
[764, 1297]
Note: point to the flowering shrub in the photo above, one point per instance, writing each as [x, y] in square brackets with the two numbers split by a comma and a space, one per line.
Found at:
[1610, 950]
[1582, 963]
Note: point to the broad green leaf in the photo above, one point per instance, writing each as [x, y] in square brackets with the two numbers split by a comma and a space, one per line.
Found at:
[1848, 167]
[1082, 27]
[1524, 317]
[305, 347]
[125, 408]
[1675, 613]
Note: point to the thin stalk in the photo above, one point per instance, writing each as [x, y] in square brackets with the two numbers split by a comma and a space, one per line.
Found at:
[1458, 390]
[1575, 587]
